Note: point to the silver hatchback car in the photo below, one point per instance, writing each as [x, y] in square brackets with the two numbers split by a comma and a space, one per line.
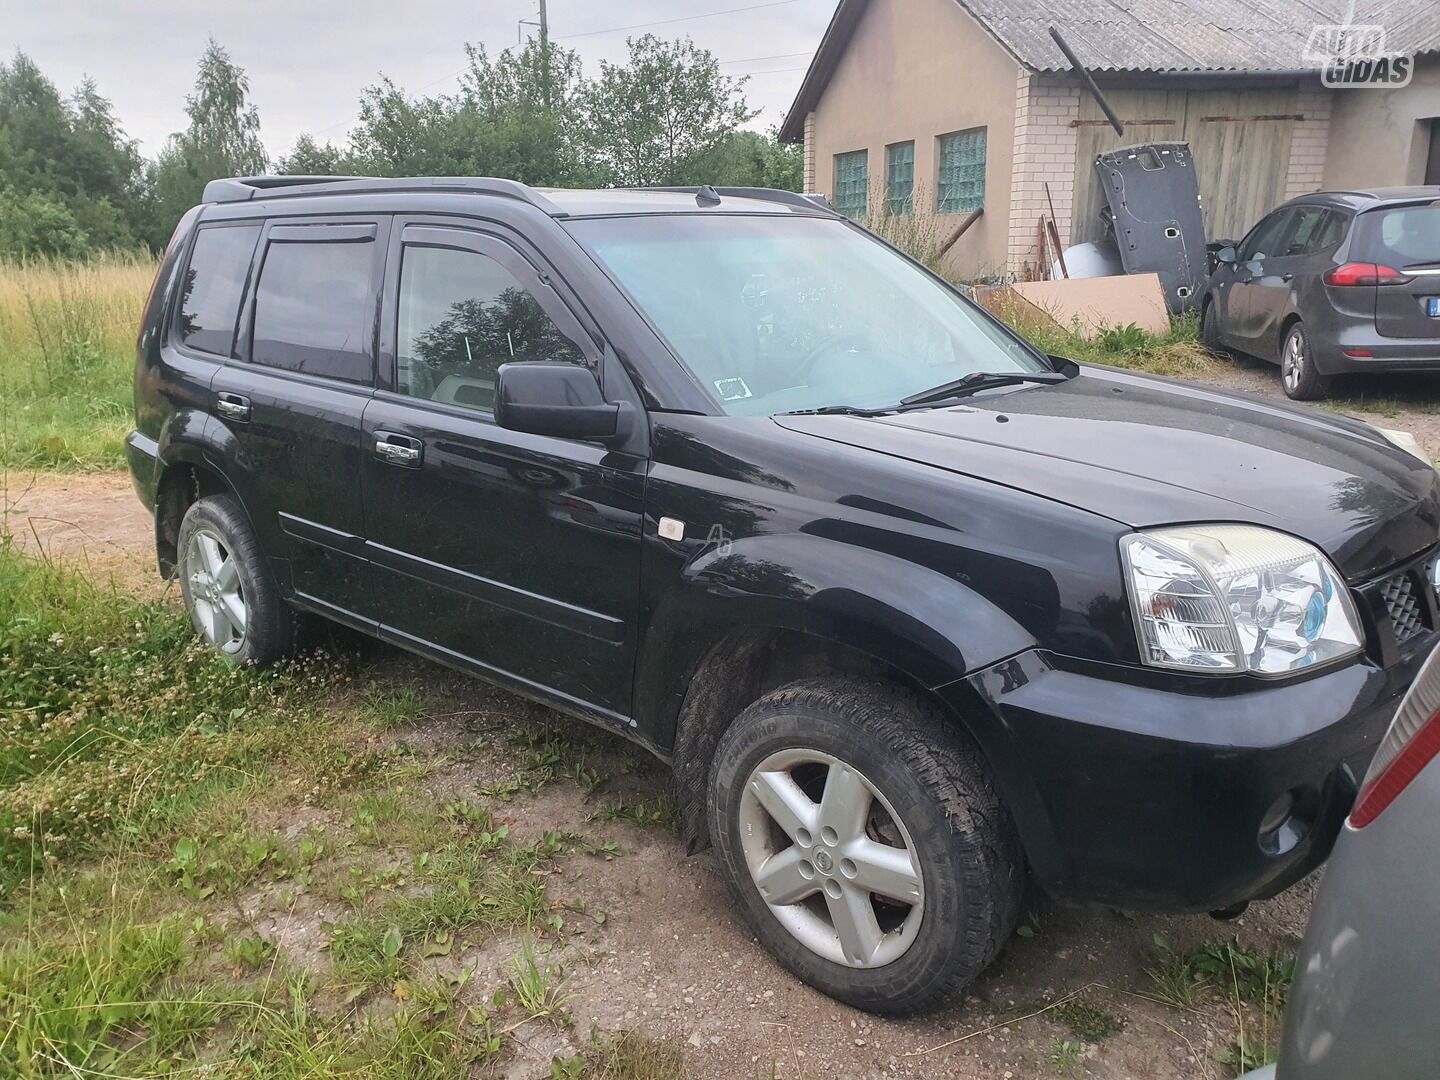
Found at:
[1367, 980]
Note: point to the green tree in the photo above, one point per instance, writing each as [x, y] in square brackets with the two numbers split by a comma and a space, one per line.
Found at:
[515, 115]
[651, 119]
[34, 223]
[311, 158]
[73, 153]
[222, 139]
[748, 159]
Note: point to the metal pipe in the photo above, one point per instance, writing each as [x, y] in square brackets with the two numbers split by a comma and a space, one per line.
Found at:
[1089, 82]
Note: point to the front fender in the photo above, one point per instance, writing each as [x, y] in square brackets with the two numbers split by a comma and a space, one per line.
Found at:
[930, 627]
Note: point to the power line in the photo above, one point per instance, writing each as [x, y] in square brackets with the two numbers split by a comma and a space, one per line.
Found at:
[757, 59]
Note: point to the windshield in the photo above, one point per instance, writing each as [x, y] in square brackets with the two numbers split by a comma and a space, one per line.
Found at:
[774, 314]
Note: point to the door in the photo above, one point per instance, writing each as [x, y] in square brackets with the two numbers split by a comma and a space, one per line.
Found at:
[293, 404]
[512, 554]
[1272, 290]
[1241, 310]
[1405, 240]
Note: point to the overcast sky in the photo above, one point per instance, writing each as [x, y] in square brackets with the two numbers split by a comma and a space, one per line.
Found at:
[309, 59]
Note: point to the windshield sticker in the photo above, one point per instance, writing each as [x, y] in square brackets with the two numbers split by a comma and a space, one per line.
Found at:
[732, 389]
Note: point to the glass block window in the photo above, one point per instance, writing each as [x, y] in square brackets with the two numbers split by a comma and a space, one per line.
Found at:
[852, 182]
[899, 177]
[961, 186]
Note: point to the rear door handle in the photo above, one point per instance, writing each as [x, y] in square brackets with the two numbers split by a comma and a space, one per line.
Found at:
[235, 406]
[398, 449]
[1286, 277]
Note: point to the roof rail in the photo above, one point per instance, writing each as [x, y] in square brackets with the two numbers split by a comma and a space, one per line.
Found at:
[789, 198]
[244, 188]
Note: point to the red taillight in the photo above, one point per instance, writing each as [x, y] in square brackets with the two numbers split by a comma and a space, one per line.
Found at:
[1360, 273]
[1358, 354]
[1412, 742]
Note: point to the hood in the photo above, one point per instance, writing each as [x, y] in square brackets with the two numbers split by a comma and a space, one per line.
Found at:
[1146, 451]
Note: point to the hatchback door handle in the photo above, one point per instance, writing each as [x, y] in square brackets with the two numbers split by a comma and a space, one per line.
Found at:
[397, 449]
[235, 406]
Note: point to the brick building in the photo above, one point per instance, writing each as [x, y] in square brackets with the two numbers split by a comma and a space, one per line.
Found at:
[946, 106]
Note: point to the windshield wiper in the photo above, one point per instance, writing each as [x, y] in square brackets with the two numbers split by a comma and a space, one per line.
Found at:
[980, 380]
[837, 410]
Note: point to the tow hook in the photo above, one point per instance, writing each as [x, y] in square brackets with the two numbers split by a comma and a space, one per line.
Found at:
[1234, 911]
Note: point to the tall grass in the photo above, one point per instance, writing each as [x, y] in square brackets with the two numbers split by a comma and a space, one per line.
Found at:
[67, 341]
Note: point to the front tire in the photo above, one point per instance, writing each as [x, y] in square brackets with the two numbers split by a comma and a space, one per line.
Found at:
[232, 600]
[865, 843]
[1298, 374]
[1210, 332]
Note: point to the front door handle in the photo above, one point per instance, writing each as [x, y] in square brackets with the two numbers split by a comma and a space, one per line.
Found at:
[398, 449]
[234, 406]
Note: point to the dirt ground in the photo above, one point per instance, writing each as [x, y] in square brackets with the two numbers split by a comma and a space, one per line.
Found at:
[663, 951]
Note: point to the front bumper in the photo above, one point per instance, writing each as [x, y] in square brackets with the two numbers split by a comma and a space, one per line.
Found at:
[1148, 791]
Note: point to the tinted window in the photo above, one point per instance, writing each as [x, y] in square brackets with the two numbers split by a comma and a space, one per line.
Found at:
[214, 283]
[1331, 231]
[1401, 236]
[314, 309]
[1264, 239]
[1301, 238]
[462, 315]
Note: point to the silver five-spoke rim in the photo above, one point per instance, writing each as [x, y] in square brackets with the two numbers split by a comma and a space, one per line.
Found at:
[1294, 360]
[217, 599]
[831, 858]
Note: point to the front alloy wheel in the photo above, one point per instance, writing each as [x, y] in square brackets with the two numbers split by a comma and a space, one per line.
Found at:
[831, 858]
[864, 841]
[217, 597]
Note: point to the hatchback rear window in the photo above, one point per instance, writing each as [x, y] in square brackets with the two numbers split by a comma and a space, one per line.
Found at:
[214, 283]
[1400, 236]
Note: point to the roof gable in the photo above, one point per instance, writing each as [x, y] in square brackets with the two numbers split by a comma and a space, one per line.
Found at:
[1257, 36]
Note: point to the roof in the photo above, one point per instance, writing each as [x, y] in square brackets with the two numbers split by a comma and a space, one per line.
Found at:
[1236, 36]
[556, 202]
[1370, 197]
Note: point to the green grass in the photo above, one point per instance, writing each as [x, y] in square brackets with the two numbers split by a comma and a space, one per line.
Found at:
[67, 356]
[1178, 353]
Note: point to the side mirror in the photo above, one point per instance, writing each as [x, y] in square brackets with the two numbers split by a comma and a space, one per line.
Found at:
[552, 397]
[1226, 255]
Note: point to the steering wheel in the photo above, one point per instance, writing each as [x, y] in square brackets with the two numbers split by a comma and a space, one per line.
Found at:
[829, 345]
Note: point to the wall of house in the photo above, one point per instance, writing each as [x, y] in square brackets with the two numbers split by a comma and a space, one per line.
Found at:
[1382, 137]
[916, 70]
[1046, 108]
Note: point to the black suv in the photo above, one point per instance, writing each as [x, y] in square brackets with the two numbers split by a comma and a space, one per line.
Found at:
[910, 607]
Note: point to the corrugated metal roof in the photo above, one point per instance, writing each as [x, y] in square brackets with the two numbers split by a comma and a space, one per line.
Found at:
[1193, 35]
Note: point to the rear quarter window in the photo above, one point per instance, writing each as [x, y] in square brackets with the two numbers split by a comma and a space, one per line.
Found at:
[213, 284]
[1399, 236]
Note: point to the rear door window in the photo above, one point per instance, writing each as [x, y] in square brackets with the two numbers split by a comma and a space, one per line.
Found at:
[1308, 223]
[213, 285]
[1400, 236]
[315, 304]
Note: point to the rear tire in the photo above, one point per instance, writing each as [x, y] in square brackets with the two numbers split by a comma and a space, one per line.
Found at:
[225, 582]
[892, 870]
[1298, 374]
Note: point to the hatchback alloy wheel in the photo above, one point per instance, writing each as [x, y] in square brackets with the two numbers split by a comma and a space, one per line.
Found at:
[217, 597]
[1292, 361]
[831, 858]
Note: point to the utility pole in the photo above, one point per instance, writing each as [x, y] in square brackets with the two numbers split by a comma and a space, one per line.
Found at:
[545, 51]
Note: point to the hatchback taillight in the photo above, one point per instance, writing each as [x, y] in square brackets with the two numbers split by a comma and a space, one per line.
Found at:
[1412, 742]
[1362, 273]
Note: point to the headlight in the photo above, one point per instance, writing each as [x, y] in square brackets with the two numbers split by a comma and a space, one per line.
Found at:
[1222, 598]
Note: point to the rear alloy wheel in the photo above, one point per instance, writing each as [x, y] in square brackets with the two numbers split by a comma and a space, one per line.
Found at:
[1298, 374]
[864, 842]
[226, 585]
